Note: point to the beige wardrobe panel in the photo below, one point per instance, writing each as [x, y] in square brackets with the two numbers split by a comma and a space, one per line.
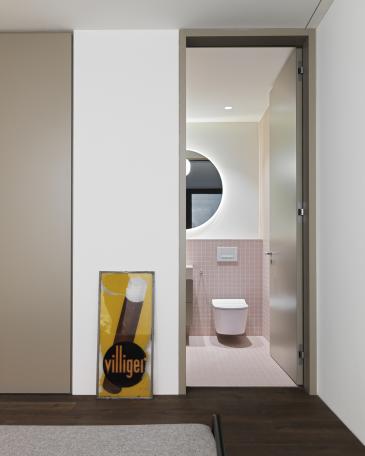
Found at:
[35, 212]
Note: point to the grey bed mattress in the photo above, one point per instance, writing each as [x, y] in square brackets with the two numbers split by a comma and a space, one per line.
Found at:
[141, 440]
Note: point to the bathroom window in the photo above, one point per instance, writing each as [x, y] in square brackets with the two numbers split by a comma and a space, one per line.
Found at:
[201, 205]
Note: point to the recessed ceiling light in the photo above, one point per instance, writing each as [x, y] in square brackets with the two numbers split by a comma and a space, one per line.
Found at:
[228, 107]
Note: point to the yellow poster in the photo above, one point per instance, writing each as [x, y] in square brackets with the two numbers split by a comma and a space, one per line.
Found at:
[125, 335]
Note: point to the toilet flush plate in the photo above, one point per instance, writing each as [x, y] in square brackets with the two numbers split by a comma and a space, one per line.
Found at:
[226, 254]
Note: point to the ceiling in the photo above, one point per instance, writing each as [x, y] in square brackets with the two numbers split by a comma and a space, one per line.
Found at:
[154, 14]
[238, 77]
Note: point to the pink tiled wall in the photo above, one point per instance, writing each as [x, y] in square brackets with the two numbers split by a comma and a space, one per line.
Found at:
[225, 280]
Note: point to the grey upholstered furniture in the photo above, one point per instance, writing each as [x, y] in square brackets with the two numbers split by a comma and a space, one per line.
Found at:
[140, 440]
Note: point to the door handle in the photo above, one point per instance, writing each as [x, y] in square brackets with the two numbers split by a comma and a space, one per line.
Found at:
[270, 255]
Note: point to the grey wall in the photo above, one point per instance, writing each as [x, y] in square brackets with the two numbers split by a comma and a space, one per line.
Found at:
[35, 207]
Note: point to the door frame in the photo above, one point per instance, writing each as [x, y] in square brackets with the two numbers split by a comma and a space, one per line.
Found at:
[305, 39]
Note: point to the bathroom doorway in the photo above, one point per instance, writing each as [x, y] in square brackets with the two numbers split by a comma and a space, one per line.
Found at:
[245, 214]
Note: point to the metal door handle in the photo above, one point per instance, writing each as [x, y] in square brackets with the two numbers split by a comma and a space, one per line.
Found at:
[271, 253]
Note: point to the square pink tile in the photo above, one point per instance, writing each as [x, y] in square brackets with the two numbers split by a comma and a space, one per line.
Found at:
[211, 279]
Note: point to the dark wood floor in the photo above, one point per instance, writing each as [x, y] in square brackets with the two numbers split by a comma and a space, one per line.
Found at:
[255, 421]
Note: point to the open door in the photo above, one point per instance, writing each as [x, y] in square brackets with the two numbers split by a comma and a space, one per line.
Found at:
[286, 312]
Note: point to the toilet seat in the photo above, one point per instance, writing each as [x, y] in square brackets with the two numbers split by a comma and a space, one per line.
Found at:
[229, 303]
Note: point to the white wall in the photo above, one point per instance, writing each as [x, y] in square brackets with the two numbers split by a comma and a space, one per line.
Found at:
[126, 185]
[341, 215]
[233, 148]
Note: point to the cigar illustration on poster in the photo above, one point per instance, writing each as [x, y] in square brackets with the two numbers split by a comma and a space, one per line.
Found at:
[125, 334]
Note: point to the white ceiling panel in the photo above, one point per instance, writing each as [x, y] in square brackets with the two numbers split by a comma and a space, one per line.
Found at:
[237, 77]
[153, 14]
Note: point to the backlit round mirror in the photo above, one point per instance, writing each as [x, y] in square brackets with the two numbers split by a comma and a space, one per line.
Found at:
[203, 189]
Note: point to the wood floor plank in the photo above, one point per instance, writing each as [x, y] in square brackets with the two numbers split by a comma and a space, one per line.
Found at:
[256, 421]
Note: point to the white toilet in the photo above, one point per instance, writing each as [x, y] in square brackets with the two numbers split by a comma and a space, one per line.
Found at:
[230, 316]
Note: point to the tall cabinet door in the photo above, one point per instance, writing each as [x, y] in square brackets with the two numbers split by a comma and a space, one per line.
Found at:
[35, 212]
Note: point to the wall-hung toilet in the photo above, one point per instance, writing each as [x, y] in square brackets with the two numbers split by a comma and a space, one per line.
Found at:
[230, 316]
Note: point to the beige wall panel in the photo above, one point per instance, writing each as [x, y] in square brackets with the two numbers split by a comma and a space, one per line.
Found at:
[35, 205]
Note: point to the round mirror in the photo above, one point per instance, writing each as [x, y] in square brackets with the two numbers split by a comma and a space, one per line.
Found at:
[203, 189]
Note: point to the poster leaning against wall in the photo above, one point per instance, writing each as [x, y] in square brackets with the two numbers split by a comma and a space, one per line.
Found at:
[125, 334]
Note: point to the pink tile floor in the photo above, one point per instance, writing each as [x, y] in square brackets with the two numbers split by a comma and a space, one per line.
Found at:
[238, 361]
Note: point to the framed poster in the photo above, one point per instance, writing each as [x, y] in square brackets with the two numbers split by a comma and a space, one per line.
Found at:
[125, 334]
